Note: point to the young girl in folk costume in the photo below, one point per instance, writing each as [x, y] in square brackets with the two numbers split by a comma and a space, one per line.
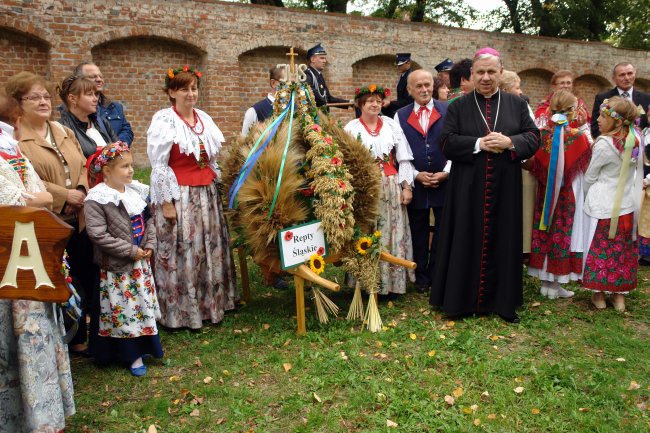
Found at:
[386, 142]
[613, 185]
[118, 226]
[559, 165]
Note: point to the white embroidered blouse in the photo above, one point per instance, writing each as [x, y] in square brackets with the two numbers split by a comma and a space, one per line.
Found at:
[167, 129]
[390, 137]
[14, 191]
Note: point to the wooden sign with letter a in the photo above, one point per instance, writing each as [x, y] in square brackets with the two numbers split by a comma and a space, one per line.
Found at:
[32, 241]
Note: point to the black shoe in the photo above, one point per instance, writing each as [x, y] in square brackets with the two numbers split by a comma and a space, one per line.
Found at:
[280, 284]
[644, 262]
[422, 289]
[510, 319]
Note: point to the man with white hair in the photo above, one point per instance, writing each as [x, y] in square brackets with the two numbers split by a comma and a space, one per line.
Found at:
[486, 134]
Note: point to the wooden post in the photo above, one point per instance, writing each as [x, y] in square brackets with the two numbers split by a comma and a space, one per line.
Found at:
[243, 270]
[299, 282]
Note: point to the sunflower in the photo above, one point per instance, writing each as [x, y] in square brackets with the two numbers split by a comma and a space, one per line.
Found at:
[316, 264]
[363, 245]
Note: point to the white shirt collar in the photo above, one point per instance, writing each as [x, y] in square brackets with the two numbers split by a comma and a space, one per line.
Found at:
[416, 106]
[271, 97]
[620, 91]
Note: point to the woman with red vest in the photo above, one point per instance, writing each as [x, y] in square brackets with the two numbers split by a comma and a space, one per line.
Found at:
[193, 267]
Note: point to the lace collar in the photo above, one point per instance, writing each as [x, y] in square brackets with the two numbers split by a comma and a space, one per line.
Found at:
[133, 198]
[188, 141]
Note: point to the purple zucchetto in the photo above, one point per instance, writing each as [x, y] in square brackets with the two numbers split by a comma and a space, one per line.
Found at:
[487, 50]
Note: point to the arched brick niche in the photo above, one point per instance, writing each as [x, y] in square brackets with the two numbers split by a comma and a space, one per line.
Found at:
[254, 68]
[134, 70]
[22, 52]
[587, 86]
[536, 84]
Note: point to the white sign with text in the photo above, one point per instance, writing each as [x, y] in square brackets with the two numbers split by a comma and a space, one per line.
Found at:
[299, 243]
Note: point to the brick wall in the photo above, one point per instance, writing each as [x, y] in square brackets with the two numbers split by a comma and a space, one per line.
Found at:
[235, 44]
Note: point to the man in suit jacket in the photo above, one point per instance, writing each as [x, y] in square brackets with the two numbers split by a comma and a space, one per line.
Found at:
[403, 63]
[421, 122]
[624, 75]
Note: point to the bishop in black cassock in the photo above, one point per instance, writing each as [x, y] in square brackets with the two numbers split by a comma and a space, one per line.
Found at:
[486, 135]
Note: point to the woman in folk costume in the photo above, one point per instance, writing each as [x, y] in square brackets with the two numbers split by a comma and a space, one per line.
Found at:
[36, 391]
[386, 142]
[559, 166]
[194, 271]
[613, 184]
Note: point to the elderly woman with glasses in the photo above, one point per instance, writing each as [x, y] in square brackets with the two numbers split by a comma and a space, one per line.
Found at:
[59, 161]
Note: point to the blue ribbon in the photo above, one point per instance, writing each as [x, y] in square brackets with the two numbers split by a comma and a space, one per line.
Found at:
[254, 155]
[552, 172]
[284, 158]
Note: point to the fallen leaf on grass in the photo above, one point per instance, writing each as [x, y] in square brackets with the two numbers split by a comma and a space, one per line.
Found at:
[620, 359]
[106, 403]
[195, 412]
[492, 416]
[519, 389]
[583, 409]
[220, 421]
[432, 353]
[467, 410]
[198, 363]
[174, 378]
[317, 398]
[286, 343]
[152, 429]
[390, 304]
[266, 326]
[535, 411]
[207, 380]
[226, 373]
[413, 336]
[548, 312]
[344, 357]
[390, 423]
[449, 400]
[458, 392]
[633, 386]
[381, 397]
[536, 304]
[287, 366]
[477, 422]
[184, 392]
[474, 407]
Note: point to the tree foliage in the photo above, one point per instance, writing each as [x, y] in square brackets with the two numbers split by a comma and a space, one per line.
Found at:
[621, 22]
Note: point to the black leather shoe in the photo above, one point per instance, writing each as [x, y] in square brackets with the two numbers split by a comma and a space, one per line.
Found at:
[644, 262]
[510, 319]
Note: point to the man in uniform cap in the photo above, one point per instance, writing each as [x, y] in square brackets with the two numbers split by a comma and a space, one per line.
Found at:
[403, 63]
[443, 69]
[317, 57]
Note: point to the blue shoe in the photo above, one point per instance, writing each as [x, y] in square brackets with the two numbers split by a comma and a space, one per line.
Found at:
[139, 371]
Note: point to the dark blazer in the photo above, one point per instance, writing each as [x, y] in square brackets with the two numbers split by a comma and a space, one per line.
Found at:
[638, 97]
[427, 155]
[403, 97]
[318, 85]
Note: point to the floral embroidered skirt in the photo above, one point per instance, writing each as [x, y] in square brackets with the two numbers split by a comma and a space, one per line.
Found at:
[611, 264]
[554, 255]
[36, 392]
[393, 223]
[128, 309]
[194, 270]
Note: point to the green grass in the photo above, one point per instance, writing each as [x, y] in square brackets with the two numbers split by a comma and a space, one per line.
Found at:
[575, 365]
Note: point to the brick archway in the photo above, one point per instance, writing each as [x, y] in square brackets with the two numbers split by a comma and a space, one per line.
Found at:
[134, 69]
[535, 83]
[20, 51]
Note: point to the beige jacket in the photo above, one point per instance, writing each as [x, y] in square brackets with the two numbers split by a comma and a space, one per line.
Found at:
[47, 164]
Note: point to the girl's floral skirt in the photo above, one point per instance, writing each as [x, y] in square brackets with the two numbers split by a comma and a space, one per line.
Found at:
[611, 264]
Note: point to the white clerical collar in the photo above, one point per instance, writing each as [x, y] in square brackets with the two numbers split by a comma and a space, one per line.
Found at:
[487, 97]
[270, 97]
[621, 91]
[416, 106]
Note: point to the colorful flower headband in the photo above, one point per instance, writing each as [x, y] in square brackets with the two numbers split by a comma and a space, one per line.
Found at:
[171, 73]
[107, 154]
[359, 92]
[609, 111]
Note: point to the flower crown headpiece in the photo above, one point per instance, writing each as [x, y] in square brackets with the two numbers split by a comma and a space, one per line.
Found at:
[171, 73]
[383, 92]
[609, 111]
[107, 154]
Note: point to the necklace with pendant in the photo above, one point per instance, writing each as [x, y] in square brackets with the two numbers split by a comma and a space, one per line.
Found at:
[481, 113]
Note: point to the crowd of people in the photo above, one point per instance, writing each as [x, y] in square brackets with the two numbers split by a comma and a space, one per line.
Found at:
[474, 184]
